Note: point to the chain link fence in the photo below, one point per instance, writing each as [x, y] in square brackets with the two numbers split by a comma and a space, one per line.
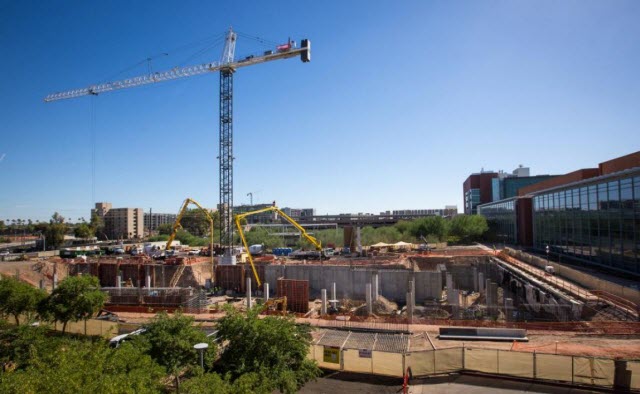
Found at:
[389, 355]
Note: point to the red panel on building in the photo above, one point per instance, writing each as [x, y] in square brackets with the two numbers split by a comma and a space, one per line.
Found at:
[297, 293]
[571, 177]
[480, 181]
[524, 221]
[620, 164]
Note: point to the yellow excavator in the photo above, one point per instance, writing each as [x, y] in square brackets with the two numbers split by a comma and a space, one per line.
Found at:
[239, 217]
[174, 231]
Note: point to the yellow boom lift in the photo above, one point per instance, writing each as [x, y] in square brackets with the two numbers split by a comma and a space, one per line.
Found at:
[277, 210]
[177, 226]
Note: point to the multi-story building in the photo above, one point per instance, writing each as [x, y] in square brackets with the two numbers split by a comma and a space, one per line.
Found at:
[153, 220]
[449, 210]
[271, 217]
[120, 223]
[506, 185]
[260, 218]
[477, 190]
[299, 212]
[590, 215]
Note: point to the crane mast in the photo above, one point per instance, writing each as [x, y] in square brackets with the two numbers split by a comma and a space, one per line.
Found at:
[227, 67]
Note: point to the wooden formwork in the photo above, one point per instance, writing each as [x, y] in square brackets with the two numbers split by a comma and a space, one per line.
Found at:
[232, 277]
[297, 293]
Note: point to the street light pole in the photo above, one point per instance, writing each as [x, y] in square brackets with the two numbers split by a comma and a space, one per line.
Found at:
[201, 347]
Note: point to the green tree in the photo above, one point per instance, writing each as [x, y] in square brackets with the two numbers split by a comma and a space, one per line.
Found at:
[97, 225]
[19, 298]
[195, 222]
[206, 383]
[329, 236]
[165, 229]
[55, 231]
[83, 366]
[83, 231]
[429, 227]
[262, 236]
[76, 298]
[274, 349]
[169, 340]
[468, 228]
[18, 343]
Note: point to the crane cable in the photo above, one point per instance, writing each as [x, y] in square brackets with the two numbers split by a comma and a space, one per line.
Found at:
[92, 130]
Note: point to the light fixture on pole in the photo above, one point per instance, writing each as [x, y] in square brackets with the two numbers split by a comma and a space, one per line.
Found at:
[201, 347]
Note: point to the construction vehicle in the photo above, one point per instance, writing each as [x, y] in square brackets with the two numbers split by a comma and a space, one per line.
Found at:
[239, 217]
[272, 304]
[227, 66]
[177, 226]
[174, 231]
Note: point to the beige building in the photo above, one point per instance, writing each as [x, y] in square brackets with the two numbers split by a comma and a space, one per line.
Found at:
[121, 223]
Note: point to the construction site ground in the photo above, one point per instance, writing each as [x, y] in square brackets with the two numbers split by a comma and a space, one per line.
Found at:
[571, 340]
[348, 382]
[423, 336]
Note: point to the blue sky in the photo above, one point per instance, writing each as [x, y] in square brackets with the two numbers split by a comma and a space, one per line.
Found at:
[401, 102]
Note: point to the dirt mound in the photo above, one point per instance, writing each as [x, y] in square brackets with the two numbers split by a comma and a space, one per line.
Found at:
[383, 306]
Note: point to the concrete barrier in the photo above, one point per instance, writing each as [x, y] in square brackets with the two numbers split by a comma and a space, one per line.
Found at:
[484, 334]
[582, 278]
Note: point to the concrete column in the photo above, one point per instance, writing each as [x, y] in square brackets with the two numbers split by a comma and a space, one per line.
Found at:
[323, 305]
[265, 286]
[492, 297]
[118, 281]
[41, 284]
[543, 299]
[453, 297]
[449, 281]
[248, 287]
[376, 291]
[148, 282]
[334, 295]
[410, 306]
[481, 282]
[413, 289]
[55, 281]
[368, 298]
[508, 309]
[475, 279]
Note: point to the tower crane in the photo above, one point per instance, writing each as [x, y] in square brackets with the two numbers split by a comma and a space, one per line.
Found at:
[226, 66]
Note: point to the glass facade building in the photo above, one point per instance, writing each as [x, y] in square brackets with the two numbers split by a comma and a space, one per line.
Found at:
[502, 220]
[596, 221]
[471, 201]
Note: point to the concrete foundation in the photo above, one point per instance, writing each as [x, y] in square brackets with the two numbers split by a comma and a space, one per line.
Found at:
[350, 282]
[375, 284]
[369, 298]
[323, 304]
[248, 287]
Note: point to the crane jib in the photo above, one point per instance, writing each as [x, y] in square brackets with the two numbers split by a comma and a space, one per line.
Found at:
[176, 73]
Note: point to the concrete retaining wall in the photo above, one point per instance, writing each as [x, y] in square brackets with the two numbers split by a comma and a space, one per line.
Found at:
[351, 282]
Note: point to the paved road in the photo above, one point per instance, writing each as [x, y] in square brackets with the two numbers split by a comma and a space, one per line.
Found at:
[341, 382]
